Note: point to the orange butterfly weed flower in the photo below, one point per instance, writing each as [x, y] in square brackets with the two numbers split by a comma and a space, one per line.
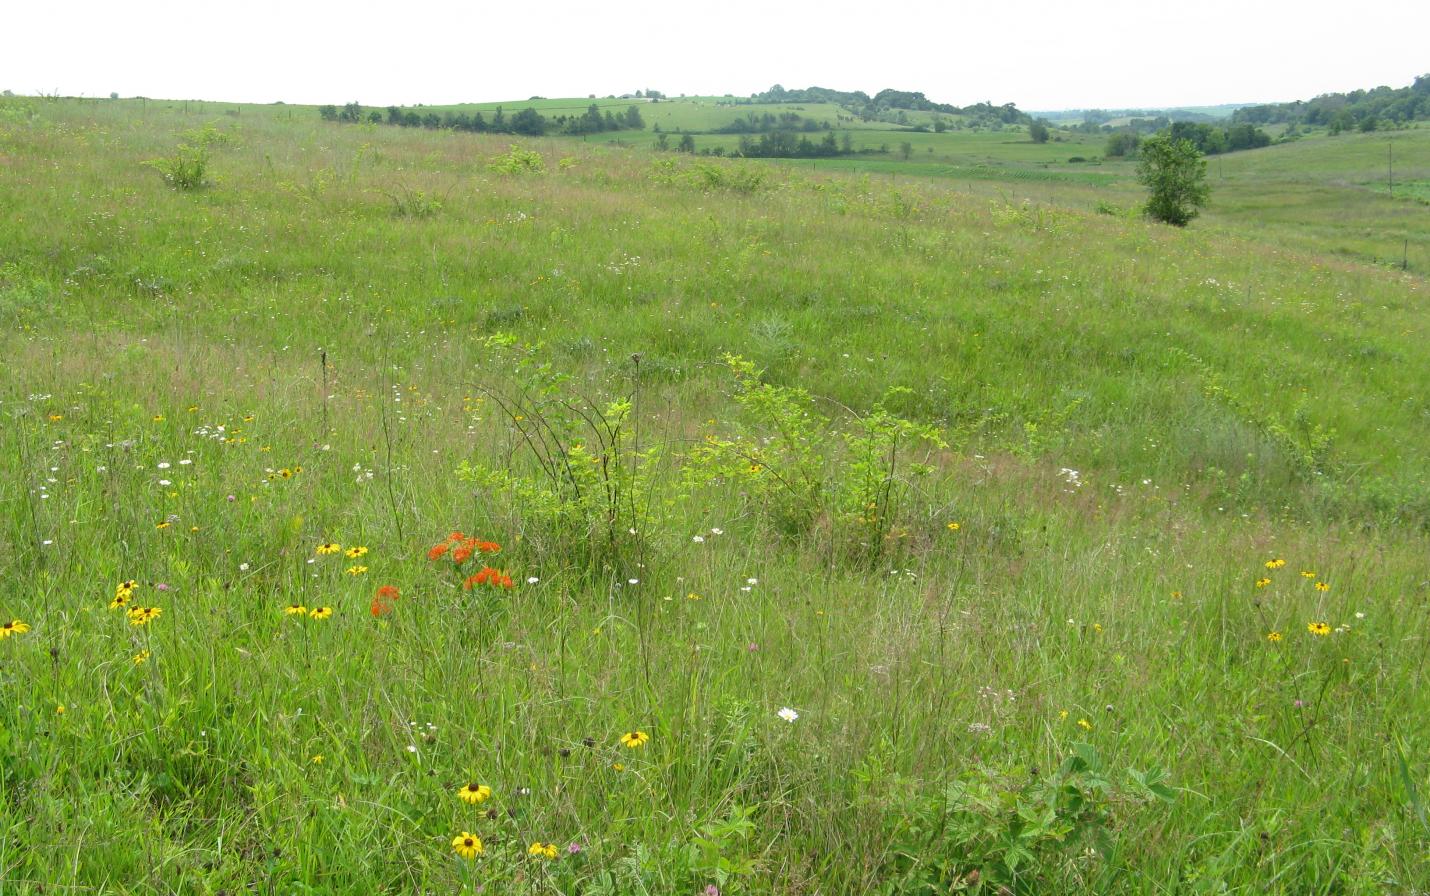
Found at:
[382, 600]
[437, 551]
[492, 578]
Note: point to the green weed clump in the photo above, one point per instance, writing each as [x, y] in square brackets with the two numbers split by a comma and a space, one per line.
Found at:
[594, 492]
[518, 161]
[802, 471]
[704, 176]
[1008, 831]
[409, 203]
[186, 169]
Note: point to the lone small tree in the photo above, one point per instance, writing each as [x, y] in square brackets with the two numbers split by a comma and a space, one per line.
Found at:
[1038, 132]
[1175, 173]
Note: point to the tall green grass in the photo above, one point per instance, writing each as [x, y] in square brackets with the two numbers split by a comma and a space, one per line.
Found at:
[1045, 666]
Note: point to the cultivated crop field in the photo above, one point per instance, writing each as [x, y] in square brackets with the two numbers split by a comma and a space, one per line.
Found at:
[407, 511]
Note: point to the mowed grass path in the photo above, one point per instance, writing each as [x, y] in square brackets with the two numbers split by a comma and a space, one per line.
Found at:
[1138, 420]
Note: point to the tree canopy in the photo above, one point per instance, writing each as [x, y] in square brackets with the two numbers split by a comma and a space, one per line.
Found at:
[1347, 111]
[1175, 175]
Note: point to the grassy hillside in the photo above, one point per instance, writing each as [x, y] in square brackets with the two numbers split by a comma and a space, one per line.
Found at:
[1318, 193]
[1092, 558]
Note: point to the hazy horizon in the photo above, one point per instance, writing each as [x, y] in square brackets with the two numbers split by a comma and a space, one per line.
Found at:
[1040, 55]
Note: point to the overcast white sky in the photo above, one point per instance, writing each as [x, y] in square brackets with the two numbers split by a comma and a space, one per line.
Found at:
[1041, 55]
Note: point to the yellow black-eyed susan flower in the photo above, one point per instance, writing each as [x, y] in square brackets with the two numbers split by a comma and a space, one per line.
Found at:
[141, 657]
[320, 612]
[1322, 586]
[1262, 582]
[355, 552]
[1273, 637]
[633, 740]
[144, 615]
[474, 793]
[295, 610]
[542, 850]
[1084, 724]
[1319, 629]
[328, 547]
[1307, 574]
[355, 570]
[1275, 564]
[468, 846]
[13, 627]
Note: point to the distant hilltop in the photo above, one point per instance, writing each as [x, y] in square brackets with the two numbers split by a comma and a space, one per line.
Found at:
[870, 108]
[1365, 110]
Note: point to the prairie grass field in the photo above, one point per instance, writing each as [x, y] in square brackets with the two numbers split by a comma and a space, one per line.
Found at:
[411, 511]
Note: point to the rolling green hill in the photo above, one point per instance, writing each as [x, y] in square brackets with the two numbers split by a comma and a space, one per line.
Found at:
[916, 528]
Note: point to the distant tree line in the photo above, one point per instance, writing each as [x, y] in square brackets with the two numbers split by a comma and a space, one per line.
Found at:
[1364, 110]
[1211, 140]
[1142, 121]
[788, 145]
[878, 106]
[754, 123]
[1208, 139]
[771, 145]
[527, 122]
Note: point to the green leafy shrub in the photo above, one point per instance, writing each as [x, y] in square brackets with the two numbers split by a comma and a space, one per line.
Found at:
[1175, 175]
[1007, 831]
[596, 493]
[186, 169]
[590, 492]
[518, 161]
[731, 177]
[716, 855]
[410, 203]
[209, 136]
[806, 471]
